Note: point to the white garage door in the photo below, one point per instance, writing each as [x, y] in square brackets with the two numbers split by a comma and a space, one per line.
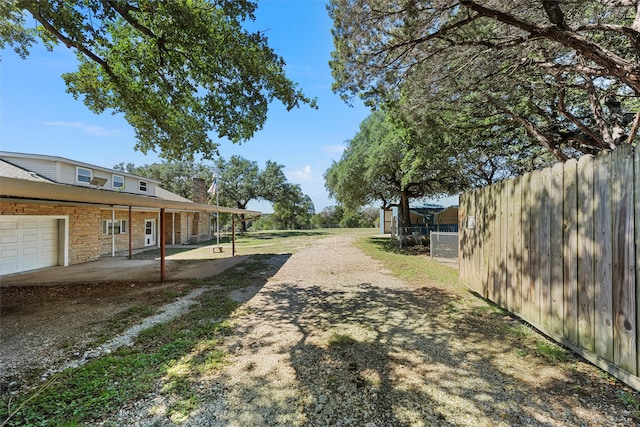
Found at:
[27, 243]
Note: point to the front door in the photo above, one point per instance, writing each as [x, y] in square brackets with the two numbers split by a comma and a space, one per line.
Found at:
[149, 232]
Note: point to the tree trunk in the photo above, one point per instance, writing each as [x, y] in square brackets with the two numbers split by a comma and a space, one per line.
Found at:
[242, 221]
[405, 215]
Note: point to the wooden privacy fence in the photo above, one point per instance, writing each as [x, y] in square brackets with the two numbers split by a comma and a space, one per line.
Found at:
[557, 247]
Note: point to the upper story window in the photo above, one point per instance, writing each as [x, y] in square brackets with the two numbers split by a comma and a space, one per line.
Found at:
[83, 175]
[118, 182]
[143, 186]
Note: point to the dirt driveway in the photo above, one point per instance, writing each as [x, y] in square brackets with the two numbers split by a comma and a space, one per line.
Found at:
[334, 339]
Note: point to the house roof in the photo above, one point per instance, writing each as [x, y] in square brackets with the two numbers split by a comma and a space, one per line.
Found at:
[19, 183]
[16, 188]
[13, 171]
[8, 155]
[161, 193]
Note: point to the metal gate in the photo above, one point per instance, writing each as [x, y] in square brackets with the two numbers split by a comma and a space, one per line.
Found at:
[443, 244]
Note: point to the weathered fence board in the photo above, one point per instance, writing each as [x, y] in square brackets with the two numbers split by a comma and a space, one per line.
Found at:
[558, 247]
[502, 226]
[477, 242]
[544, 249]
[498, 262]
[586, 279]
[570, 250]
[510, 245]
[624, 307]
[535, 267]
[463, 250]
[636, 206]
[492, 238]
[603, 239]
[527, 279]
[555, 249]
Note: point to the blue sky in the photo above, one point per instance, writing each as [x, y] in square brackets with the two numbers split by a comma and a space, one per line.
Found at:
[38, 116]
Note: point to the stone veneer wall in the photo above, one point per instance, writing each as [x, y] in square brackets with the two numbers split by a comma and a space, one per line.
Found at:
[180, 224]
[122, 240]
[200, 225]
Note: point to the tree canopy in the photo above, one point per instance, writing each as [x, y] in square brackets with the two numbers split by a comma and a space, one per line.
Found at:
[241, 181]
[178, 70]
[176, 176]
[295, 209]
[386, 161]
[565, 72]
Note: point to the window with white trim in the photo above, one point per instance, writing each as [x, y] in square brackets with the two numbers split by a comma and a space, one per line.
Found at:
[119, 226]
[83, 175]
[143, 186]
[118, 182]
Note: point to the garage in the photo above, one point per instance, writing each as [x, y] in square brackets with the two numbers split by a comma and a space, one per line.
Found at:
[28, 243]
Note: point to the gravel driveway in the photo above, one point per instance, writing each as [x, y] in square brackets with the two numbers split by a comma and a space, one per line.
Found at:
[334, 339]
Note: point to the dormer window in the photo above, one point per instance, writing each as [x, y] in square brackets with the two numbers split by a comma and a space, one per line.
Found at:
[118, 182]
[83, 175]
[143, 186]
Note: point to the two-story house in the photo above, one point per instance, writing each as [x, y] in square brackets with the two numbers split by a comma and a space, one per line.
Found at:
[57, 211]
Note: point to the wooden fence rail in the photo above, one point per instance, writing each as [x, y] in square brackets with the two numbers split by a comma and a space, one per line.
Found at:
[558, 248]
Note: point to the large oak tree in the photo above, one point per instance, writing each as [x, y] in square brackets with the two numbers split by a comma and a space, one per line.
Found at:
[241, 181]
[182, 71]
[567, 72]
[388, 162]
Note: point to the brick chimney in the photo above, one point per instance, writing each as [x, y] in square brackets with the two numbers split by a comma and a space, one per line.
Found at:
[199, 190]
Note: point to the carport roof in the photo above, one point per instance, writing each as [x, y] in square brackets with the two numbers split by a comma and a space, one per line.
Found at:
[49, 191]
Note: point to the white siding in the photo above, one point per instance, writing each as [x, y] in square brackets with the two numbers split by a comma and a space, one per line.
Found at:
[67, 174]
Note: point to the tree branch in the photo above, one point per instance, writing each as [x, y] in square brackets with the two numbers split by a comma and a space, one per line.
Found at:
[124, 12]
[573, 119]
[598, 115]
[414, 42]
[71, 43]
[634, 128]
[625, 71]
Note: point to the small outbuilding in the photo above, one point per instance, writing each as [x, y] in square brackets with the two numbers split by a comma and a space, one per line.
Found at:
[447, 219]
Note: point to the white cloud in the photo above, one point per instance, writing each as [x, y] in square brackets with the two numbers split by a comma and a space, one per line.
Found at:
[64, 124]
[302, 174]
[100, 131]
[93, 130]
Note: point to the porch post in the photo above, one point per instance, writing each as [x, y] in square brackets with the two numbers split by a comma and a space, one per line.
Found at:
[173, 228]
[113, 232]
[130, 234]
[162, 249]
[233, 235]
